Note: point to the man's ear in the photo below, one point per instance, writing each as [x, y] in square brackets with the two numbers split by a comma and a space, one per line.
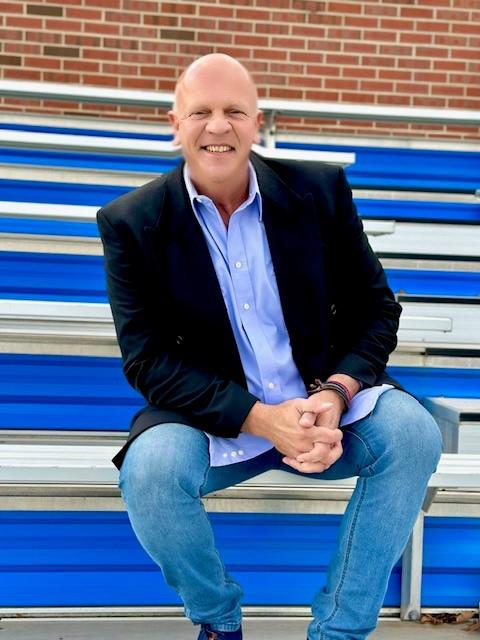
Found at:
[258, 122]
[173, 119]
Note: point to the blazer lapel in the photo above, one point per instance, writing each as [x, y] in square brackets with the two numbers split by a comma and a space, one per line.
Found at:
[297, 249]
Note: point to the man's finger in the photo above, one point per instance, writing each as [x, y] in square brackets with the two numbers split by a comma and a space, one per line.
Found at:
[315, 405]
[307, 419]
[327, 435]
[305, 467]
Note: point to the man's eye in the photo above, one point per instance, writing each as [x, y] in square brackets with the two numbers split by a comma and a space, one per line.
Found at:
[198, 114]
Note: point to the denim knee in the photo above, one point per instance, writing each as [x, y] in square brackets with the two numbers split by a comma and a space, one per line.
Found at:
[407, 432]
[164, 460]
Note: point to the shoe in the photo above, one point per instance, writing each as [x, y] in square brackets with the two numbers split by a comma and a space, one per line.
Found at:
[209, 634]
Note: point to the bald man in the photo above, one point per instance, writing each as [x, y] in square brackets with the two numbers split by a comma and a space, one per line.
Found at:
[256, 322]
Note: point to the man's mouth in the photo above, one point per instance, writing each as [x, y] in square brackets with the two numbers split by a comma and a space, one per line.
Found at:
[218, 148]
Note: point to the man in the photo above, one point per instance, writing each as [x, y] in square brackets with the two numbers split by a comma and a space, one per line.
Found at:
[251, 312]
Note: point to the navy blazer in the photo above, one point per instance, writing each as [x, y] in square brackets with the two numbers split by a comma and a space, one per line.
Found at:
[172, 325]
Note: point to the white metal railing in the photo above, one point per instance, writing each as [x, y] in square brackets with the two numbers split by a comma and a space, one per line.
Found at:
[270, 107]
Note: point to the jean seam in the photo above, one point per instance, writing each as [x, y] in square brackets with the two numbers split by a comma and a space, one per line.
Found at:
[345, 564]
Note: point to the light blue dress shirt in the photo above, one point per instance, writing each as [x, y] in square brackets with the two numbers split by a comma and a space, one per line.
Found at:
[243, 264]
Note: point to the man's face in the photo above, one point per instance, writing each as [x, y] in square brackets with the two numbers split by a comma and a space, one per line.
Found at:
[216, 121]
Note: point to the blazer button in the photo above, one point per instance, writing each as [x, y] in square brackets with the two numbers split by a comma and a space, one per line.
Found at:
[333, 309]
[179, 340]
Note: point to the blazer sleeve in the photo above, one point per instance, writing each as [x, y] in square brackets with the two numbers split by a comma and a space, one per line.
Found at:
[367, 314]
[152, 362]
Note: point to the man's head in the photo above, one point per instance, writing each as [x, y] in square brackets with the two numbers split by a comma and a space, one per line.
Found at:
[215, 118]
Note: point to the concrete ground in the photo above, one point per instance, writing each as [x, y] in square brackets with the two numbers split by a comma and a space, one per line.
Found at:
[169, 629]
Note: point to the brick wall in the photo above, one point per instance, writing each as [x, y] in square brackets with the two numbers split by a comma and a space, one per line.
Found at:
[409, 52]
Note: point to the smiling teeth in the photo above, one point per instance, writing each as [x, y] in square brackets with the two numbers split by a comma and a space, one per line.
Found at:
[218, 148]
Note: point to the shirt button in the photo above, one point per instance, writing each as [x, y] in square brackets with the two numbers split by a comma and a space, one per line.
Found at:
[246, 306]
[233, 454]
[271, 385]
[241, 452]
[225, 455]
[238, 264]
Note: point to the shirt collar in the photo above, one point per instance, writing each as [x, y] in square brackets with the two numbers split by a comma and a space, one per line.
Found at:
[253, 190]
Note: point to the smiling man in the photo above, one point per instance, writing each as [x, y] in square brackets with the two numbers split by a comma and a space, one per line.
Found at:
[256, 322]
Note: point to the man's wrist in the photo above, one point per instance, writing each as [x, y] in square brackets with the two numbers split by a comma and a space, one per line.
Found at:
[254, 423]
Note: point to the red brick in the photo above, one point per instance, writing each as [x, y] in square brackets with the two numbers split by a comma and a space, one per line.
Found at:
[206, 23]
[288, 43]
[122, 16]
[357, 72]
[344, 34]
[397, 24]
[266, 79]
[434, 25]
[43, 63]
[22, 47]
[325, 18]
[106, 4]
[446, 90]
[223, 38]
[138, 58]
[219, 12]
[360, 21]
[83, 14]
[323, 70]
[466, 4]
[101, 80]
[395, 50]
[453, 14]
[381, 36]
[12, 73]
[292, 94]
[380, 10]
[451, 41]
[10, 34]
[120, 43]
[288, 67]
[465, 54]
[56, 76]
[61, 25]
[251, 40]
[416, 38]
[429, 76]
[161, 47]
[377, 61]
[322, 95]
[463, 27]
[10, 7]
[362, 47]
[83, 41]
[305, 82]
[300, 56]
[411, 87]
[376, 85]
[343, 84]
[327, 44]
[84, 66]
[473, 92]
[164, 21]
[99, 54]
[428, 101]
[156, 71]
[416, 12]
[176, 34]
[344, 7]
[102, 27]
[448, 65]
[274, 27]
[24, 22]
[463, 78]
[177, 7]
[394, 74]
[139, 32]
[364, 98]
[393, 99]
[254, 15]
[119, 69]
[44, 36]
[341, 59]
[463, 103]
[139, 5]
[414, 63]
[291, 17]
[430, 52]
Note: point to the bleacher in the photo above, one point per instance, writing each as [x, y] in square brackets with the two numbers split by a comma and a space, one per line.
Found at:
[66, 406]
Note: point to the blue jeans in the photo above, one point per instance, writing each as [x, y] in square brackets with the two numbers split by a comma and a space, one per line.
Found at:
[394, 450]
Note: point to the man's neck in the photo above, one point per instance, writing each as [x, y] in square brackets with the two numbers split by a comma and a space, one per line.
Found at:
[227, 197]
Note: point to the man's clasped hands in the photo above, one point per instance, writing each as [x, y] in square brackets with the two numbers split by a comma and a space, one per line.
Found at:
[306, 431]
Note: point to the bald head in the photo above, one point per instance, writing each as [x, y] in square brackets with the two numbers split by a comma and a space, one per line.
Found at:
[211, 69]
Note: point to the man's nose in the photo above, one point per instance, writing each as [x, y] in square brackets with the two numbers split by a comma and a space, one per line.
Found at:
[218, 124]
